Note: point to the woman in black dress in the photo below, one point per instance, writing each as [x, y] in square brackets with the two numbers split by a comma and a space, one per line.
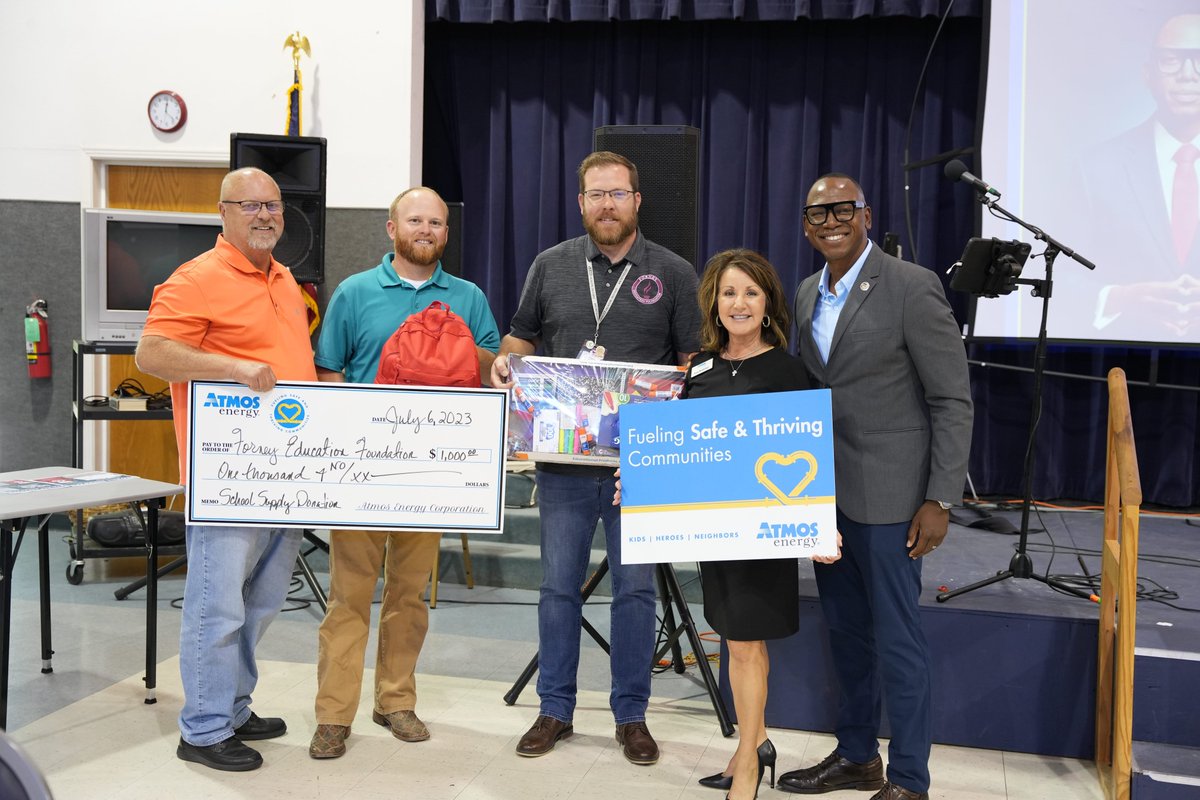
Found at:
[743, 335]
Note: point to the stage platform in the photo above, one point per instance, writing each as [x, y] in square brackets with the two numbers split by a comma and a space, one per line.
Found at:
[1014, 663]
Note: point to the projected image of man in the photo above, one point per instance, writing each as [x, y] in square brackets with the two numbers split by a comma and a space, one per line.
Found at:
[1145, 201]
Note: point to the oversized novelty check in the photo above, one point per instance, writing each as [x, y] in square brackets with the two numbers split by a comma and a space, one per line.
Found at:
[728, 478]
[344, 455]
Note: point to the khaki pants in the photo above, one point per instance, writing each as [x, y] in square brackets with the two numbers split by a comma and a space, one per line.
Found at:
[355, 558]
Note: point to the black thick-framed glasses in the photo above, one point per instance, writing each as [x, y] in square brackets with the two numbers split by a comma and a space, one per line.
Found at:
[618, 195]
[843, 211]
[1170, 61]
[254, 206]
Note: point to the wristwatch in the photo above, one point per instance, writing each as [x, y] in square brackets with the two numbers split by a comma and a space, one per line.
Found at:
[945, 506]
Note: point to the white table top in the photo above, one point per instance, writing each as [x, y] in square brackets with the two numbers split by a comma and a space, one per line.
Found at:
[80, 488]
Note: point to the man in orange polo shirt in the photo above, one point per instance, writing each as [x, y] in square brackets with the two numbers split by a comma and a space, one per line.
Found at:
[233, 313]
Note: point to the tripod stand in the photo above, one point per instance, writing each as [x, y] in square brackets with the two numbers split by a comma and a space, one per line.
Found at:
[1002, 280]
[672, 594]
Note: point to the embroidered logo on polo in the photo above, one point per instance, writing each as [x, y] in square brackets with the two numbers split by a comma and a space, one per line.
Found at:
[648, 289]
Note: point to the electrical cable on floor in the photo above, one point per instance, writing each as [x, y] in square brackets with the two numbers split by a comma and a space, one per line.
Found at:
[290, 603]
[1015, 505]
[1090, 582]
[1150, 558]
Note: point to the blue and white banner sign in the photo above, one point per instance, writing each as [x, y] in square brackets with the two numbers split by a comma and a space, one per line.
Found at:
[728, 478]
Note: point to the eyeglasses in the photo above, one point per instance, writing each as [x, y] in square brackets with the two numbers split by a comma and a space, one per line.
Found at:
[843, 211]
[1170, 62]
[251, 207]
[618, 195]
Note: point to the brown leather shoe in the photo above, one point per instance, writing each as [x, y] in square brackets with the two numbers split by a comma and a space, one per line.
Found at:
[891, 791]
[639, 746]
[832, 774]
[404, 724]
[542, 736]
[329, 741]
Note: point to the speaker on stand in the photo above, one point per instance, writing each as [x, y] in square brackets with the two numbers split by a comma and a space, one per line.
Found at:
[298, 164]
[668, 162]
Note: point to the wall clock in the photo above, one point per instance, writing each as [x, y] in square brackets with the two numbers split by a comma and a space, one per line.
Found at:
[167, 111]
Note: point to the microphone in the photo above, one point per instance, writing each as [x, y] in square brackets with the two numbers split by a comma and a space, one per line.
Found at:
[957, 171]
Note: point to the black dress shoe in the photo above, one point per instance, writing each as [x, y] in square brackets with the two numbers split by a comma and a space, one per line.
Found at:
[832, 774]
[260, 728]
[891, 791]
[229, 756]
[766, 758]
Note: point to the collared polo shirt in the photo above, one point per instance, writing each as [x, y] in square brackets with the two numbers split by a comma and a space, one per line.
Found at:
[654, 315]
[221, 303]
[368, 307]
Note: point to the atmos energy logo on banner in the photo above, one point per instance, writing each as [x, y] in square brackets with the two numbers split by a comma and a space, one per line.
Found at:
[728, 478]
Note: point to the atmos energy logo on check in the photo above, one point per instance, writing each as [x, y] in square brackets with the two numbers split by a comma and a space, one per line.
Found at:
[233, 405]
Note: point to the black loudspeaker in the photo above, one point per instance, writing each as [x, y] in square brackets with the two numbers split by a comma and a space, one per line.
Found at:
[297, 163]
[452, 256]
[668, 162]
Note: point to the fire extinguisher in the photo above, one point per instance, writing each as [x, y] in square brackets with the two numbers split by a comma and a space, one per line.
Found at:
[37, 339]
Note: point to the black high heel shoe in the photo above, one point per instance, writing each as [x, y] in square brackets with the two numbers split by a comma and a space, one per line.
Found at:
[766, 758]
[762, 767]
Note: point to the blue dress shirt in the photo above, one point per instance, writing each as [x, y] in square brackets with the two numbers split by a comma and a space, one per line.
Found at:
[829, 305]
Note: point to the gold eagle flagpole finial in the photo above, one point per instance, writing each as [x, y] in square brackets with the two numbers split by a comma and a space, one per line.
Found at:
[297, 43]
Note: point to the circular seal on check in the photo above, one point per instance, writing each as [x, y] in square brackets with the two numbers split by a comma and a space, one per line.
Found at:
[289, 413]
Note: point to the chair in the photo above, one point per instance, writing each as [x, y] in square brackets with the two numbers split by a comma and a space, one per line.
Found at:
[19, 778]
[437, 561]
[521, 468]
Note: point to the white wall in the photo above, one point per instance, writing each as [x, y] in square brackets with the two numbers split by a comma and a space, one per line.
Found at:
[78, 76]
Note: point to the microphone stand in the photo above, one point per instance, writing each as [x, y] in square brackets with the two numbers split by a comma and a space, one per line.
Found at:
[1021, 566]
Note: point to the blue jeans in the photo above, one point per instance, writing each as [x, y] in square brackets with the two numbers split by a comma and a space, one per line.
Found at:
[569, 507]
[869, 598]
[237, 580]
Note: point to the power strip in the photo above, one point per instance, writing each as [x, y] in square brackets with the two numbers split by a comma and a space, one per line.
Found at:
[127, 403]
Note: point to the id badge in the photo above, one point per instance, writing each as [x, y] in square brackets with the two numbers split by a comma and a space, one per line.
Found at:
[591, 351]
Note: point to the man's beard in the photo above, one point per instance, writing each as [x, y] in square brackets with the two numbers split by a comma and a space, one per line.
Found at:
[263, 240]
[610, 237]
[422, 256]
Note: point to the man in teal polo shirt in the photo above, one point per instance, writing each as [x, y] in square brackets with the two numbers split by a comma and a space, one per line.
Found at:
[366, 309]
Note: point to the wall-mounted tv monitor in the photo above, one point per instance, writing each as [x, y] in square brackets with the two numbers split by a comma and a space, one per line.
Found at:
[127, 253]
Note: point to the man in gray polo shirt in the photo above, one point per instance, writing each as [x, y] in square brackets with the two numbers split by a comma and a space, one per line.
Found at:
[637, 300]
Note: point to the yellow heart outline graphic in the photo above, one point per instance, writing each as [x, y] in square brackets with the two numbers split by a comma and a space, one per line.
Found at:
[281, 415]
[792, 497]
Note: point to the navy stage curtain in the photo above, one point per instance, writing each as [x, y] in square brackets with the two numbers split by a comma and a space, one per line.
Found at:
[510, 110]
[686, 10]
[1071, 437]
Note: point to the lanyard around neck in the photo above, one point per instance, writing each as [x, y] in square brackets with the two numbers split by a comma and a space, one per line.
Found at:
[596, 312]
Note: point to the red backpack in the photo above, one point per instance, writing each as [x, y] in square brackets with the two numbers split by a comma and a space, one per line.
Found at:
[433, 347]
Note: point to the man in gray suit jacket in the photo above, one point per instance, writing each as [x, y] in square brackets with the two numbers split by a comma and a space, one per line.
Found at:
[879, 333]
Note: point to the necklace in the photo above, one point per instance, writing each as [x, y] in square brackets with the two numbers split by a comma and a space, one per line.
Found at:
[733, 368]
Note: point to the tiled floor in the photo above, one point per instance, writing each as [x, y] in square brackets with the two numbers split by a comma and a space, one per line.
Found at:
[111, 745]
[87, 728]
